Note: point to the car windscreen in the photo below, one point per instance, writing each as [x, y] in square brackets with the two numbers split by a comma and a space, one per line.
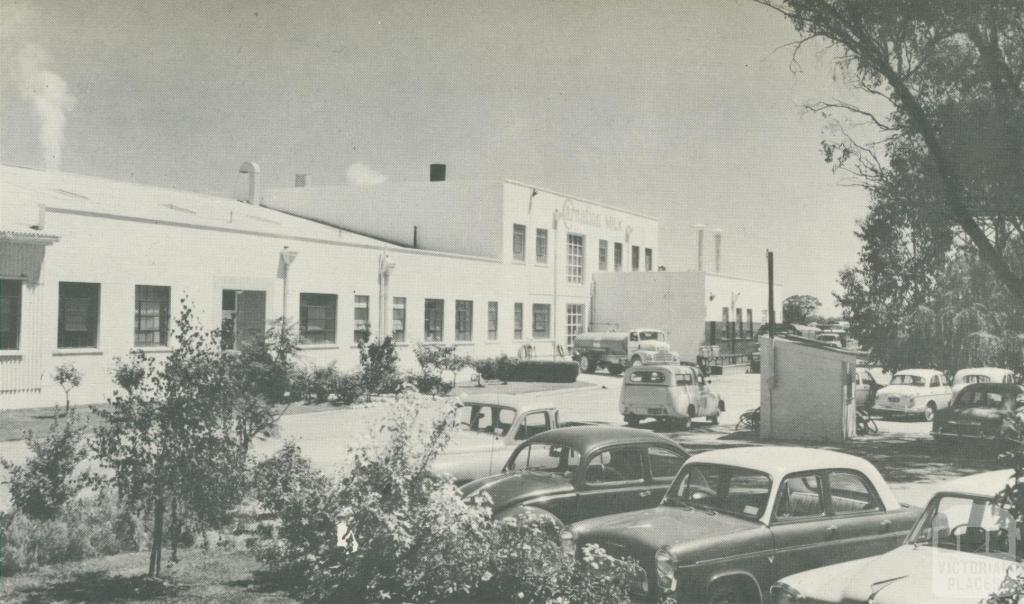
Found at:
[974, 378]
[906, 379]
[729, 489]
[652, 335]
[544, 457]
[968, 524]
[486, 419]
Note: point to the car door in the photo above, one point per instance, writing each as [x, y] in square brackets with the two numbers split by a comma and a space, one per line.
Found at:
[865, 388]
[800, 524]
[858, 523]
[610, 481]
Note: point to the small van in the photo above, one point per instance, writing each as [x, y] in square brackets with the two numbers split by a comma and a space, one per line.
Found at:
[673, 394]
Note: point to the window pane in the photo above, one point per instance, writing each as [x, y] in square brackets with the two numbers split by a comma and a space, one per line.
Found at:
[317, 318]
[573, 323]
[648, 259]
[664, 463]
[541, 321]
[602, 255]
[10, 314]
[615, 466]
[574, 261]
[800, 496]
[850, 494]
[517, 312]
[636, 257]
[618, 256]
[152, 314]
[519, 242]
[433, 320]
[542, 246]
[463, 320]
[361, 319]
[492, 320]
[78, 315]
[398, 320]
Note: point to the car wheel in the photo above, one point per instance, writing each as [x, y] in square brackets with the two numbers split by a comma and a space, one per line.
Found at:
[636, 362]
[929, 411]
[729, 592]
[631, 420]
[714, 420]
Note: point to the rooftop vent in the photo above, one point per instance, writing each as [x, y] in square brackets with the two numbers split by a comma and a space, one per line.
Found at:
[302, 180]
[253, 170]
[437, 172]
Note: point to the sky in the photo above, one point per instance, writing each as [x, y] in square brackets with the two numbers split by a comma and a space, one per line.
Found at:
[690, 111]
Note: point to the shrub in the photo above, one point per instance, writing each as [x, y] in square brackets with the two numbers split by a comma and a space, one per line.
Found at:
[513, 370]
[325, 384]
[436, 358]
[392, 530]
[379, 366]
[47, 480]
[431, 383]
[92, 526]
[497, 368]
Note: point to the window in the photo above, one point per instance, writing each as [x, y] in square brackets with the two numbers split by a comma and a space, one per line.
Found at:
[602, 255]
[519, 242]
[318, 318]
[463, 320]
[616, 465]
[10, 313]
[433, 320]
[573, 323]
[361, 319]
[739, 323]
[849, 493]
[935, 382]
[542, 246]
[685, 377]
[542, 320]
[574, 259]
[750, 323]
[152, 314]
[729, 489]
[799, 497]
[517, 321]
[764, 316]
[398, 319]
[533, 423]
[618, 257]
[725, 323]
[648, 259]
[652, 376]
[665, 463]
[636, 257]
[492, 320]
[78, 315]
[243, 317]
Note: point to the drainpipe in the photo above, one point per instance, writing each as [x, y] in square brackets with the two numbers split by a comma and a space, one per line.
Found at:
[287, 257]
[552, 321]
[386, 265]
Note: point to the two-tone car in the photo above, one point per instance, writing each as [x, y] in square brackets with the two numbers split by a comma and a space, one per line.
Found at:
[982, 375]
[736, 520]
[669, 393]
[959, 550]
[985, 412]
[914, 392]
[570, 474]
[488, 428]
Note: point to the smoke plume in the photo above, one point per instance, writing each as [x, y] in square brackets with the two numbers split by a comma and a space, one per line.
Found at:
[48, 93]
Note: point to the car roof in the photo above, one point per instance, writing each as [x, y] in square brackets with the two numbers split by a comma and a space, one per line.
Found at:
[999, 387]
[986, 484]
[672, 367]
[983, 371]
[587, 438]
[777, 461]
[917, 372]
[520, 404]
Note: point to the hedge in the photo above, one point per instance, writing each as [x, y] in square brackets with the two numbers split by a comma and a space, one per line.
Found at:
[513, 370]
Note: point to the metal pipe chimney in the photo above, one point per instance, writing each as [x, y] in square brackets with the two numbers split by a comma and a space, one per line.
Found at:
[700, 246]
[253, 170]
[718, 251]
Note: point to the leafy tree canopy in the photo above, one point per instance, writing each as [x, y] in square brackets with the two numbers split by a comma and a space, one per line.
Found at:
[799, 309]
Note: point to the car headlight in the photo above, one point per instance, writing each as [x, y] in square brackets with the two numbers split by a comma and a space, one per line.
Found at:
[665, 564]
[781, 593]
[568, 539]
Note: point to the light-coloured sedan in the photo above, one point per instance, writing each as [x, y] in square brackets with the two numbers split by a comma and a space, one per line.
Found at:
[981, 375]
[915, 392]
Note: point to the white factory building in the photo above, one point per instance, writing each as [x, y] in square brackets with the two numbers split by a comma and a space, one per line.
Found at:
[91, 268]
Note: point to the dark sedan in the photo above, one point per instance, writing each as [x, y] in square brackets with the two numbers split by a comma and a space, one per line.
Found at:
[571, 474]
[982, 412]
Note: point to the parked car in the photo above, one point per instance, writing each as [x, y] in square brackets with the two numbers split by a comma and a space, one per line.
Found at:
[615, 351]
[669, 393]
[982, 412]
[981, 375]
[571, 474]
[489, 427]
[918, 392]
[866, 387]
[736, 520]
[958, 551]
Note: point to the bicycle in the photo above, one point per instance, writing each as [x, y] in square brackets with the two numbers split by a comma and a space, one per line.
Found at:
[751, 420]
[865, 423]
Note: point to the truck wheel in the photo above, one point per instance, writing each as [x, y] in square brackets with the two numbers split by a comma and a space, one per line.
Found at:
[636, 362]
[631, 420]
[615, 369]
[585, 365]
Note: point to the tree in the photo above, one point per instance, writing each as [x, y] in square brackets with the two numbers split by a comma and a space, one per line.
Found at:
[68, 377]
[171, 435]
[799, 309]
[950, 143]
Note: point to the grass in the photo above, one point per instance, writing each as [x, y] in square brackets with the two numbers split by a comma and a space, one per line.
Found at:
[214, 576]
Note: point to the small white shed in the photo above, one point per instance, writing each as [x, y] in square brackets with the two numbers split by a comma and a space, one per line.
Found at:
[806, 390]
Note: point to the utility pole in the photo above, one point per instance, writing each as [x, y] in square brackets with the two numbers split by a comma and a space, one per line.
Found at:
[771, 294]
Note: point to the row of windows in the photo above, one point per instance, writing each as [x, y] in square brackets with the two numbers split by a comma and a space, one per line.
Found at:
[575, 253]
[243, 317]
[737, 330]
